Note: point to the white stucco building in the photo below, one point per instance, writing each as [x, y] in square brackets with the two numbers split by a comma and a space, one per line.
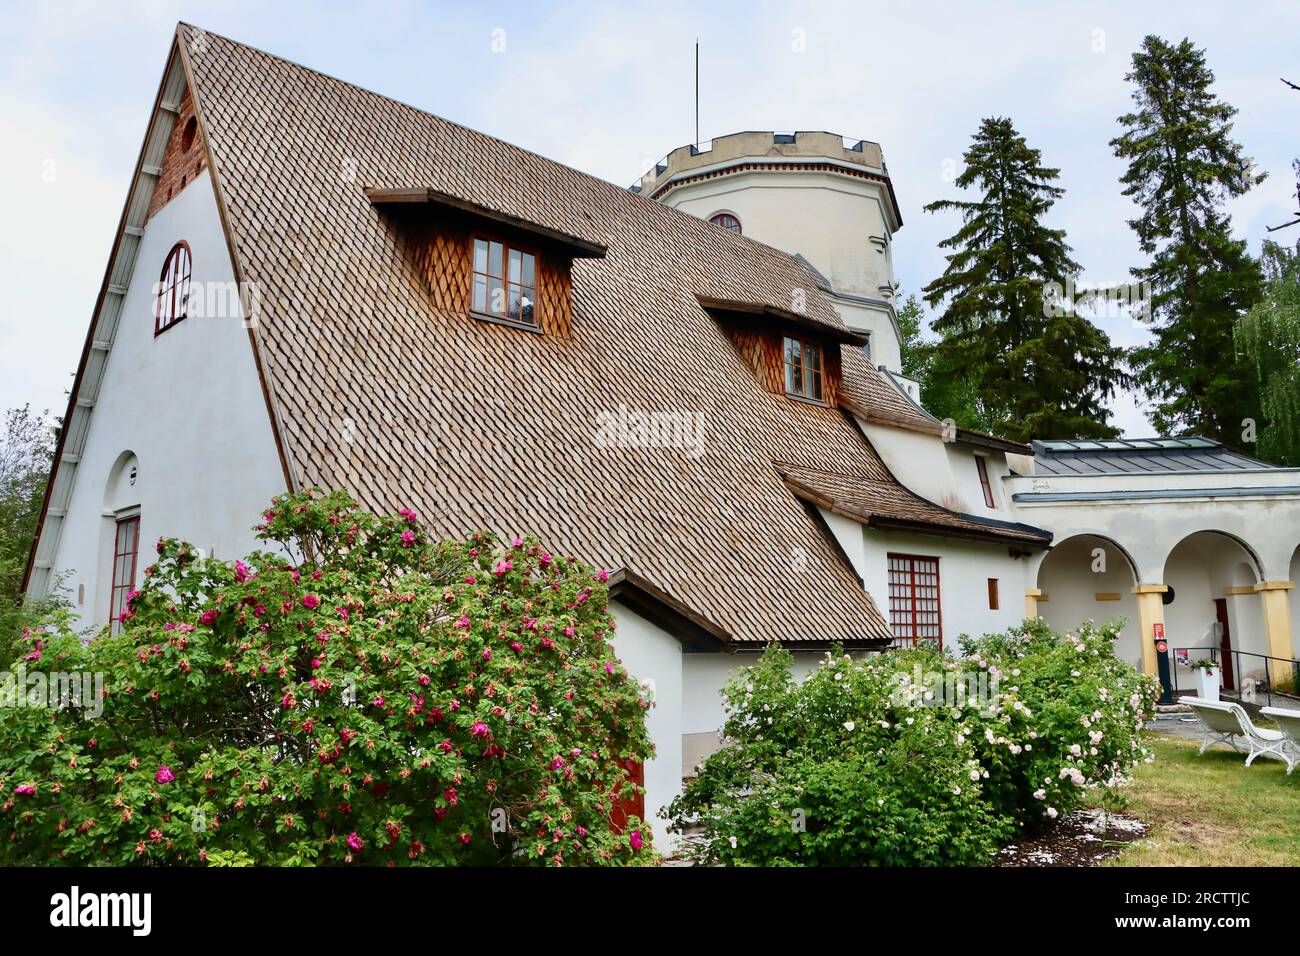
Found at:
[825, 508]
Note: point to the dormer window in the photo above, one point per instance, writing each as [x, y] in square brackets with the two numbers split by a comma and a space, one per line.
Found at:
[725, 220]
[803, 370]
[505, 282]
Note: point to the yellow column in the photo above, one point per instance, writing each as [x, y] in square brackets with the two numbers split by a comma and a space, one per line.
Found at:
[1031, 602]
[1277, 625]
[1151, 611]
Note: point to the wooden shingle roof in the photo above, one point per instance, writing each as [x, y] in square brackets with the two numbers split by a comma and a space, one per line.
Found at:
[476, 425]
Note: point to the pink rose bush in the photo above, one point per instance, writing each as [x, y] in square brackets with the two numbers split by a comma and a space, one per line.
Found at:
[387, 700]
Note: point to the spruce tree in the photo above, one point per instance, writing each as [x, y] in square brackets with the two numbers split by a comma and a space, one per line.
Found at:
[1183, 165]
[1039, 368]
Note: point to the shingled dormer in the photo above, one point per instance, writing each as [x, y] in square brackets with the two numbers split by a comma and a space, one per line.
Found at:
[789, 353]
[486, 264]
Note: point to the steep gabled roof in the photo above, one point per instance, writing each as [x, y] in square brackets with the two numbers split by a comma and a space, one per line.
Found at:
[374, 389]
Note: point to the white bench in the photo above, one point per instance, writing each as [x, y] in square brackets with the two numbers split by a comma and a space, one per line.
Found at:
[1226, 722]
[1289, 721]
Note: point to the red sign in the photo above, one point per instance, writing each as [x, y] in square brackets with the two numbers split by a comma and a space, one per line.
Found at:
[1161, 647]
[1158, 630]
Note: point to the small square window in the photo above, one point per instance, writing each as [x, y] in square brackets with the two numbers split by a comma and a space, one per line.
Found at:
[803, 369]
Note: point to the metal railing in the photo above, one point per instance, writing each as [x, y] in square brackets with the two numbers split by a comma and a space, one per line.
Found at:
[1264, 683]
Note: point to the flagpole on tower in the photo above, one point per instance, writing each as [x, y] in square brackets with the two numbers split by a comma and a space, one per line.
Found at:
[697, 94]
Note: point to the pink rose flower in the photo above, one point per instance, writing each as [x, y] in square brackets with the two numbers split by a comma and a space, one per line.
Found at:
[503, 567]
[310, 601]
[479, 729]
[208, 618]
[164, 775]
[635, 840]
[25, 789]
[355, 842]
[408, 539]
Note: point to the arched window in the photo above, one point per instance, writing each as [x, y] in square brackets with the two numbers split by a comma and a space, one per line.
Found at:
[173, 289]
[727, 221]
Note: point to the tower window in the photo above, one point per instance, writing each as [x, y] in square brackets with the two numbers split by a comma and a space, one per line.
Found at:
[866, 349]
[803, 369]
[173, 289]
[505, 282]
[126, 544]
[725, 220]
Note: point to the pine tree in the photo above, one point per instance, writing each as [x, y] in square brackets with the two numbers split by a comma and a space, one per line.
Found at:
[1039, 369]
[1183, 165]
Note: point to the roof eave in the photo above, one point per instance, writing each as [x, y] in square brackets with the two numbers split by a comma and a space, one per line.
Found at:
[781, 316]
[579, 247]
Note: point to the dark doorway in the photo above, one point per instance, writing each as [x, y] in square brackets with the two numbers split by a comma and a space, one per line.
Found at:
[1225, 642]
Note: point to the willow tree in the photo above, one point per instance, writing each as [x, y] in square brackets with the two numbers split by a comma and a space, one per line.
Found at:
[1269, 336]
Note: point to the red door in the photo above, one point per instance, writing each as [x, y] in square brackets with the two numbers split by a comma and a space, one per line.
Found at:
[629, 803]
[1225, 642]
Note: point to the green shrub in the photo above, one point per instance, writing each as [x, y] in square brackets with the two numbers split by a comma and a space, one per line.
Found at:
[386, 700]
[911, 757]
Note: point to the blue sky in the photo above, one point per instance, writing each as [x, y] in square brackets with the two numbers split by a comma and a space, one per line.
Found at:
[608, 88]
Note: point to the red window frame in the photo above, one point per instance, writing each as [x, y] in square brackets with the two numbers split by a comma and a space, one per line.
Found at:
[173, 302]
[126, 549]
[915, 606]
[982, 467]
[727, 221]
[805, 375]
[518, 264]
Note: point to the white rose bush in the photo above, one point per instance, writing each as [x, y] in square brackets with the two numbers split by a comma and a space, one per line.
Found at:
[912, 757]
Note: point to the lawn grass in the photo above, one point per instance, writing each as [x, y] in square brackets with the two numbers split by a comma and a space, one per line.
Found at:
[1212, 810]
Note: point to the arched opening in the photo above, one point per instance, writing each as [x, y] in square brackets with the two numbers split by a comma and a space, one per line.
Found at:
[1215, 607]
[187, 134]
[1294, 576]
[1089, 577]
